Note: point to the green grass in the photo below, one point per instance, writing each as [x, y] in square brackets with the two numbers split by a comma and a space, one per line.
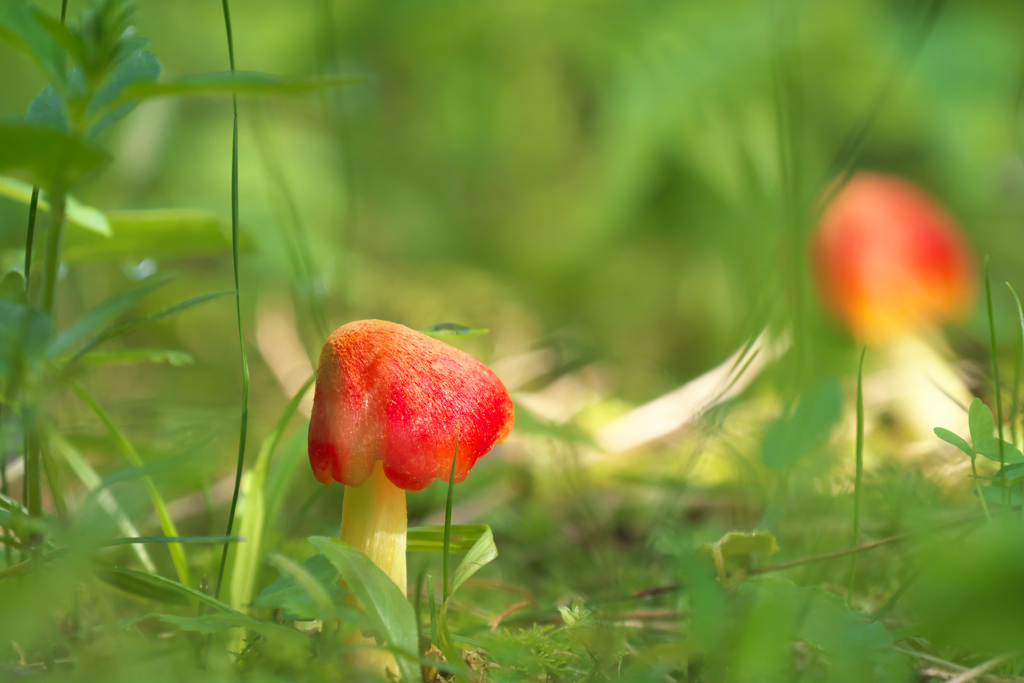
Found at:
[601, 204]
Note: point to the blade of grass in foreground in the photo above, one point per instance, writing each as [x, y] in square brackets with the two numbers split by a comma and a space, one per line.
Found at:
[1016, 383]
[238, 304]
[998, 387]
[859, 475]
[253, 517]
[105, 498]
[131, 455]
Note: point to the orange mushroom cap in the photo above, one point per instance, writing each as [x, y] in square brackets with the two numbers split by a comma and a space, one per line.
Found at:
[889, 259]
[386, 392]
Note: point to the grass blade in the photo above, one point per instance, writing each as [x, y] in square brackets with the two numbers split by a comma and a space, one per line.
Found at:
[238, 304]
[448, 521]
[131, 455]
[859, 474]
[253, 518]
[132, 325]
[88, 476]
[998, 386]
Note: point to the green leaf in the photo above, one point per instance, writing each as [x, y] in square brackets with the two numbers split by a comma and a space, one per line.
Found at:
[789, 438]
[20, 28]
[46, 157]
[320, 597]
[101, 315]
[163, 233]
[990, 449]
[138, 67]
[239, 82]
[47, 109]
[776, 612]
[159, 588]
[951, 438]
[387, 609]
[288, 594]
[253, 508]
[979, 419]
[77, 215]
[482, 552]
[994, 494]
[430, 539]
[442, 330]
[742, 543]
[132, 356]
[12, 288]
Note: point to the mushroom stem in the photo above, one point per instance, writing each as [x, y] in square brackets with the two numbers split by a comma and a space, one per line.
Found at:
[373, 520]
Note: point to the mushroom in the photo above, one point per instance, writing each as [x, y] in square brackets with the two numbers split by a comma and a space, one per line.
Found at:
[390, 407]
[891, 264]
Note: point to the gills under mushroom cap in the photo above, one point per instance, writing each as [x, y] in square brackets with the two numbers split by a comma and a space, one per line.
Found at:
[386, 392]
[889, 259]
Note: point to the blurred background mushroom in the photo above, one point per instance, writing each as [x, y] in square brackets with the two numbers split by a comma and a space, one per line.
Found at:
[891, 265]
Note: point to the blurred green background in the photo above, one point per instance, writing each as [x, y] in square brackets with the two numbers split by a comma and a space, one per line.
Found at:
[621, 192]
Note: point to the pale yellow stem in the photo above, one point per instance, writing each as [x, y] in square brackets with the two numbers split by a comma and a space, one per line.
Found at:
[374, 520]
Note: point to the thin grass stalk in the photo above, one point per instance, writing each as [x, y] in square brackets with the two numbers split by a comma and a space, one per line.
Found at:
[238, 304]
[998, 386]
[3, 486]
[177, 552]
[1016, 383]
[448, 522]
[30, 235]
[858, 478]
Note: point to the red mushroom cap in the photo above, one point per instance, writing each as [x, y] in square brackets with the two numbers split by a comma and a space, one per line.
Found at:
[386, 392]
[889, 259]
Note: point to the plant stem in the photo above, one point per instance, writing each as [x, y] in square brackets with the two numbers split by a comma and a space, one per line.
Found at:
[448, 522]
[998, 386]
[51, 257]
[238, 303]
[30, 235]
[3, 484]
[860, 472]
[977, 487]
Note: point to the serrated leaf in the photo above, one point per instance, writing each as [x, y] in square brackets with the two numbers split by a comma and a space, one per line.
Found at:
[46, 157]
[979, 419]
[163, 233]
[990, 449]
[77, 215]
[384, 604]
[955, 440]
[442, 330]
[430, 539]
[789, 438]
[238, 82]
